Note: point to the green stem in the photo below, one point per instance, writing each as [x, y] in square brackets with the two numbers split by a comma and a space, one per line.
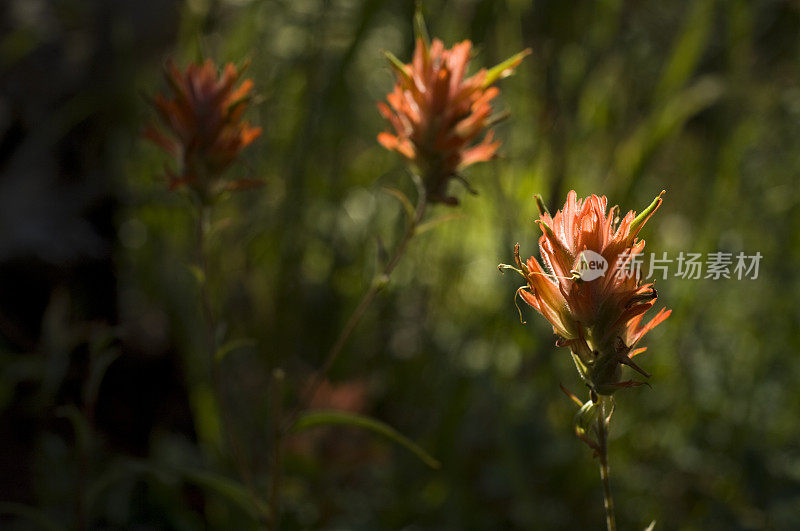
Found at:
[602, 454]
[210, 323]
[276, 395]
[358, 313]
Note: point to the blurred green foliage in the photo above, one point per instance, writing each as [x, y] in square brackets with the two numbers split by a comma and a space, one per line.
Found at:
[618, 98]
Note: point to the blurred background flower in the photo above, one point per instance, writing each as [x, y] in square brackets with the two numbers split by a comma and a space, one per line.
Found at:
[204, 119]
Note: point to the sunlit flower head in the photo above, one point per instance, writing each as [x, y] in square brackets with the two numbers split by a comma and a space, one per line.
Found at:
[600, 320]
[204, 127]
[438, 114]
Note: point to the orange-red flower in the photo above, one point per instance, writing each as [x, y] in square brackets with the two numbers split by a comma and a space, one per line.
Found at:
[438, 113]
[587, 289]
[203, 117]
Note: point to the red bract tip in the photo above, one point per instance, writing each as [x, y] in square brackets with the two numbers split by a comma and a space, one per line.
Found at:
[202, 126]
[438, 114]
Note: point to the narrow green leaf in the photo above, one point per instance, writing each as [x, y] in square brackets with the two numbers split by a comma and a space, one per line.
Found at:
[571, 396]
[428, 225]
[403, 198]
[420, 28]
[505, 69]
[228, 488]
[398, 66]
[540, 205]
[639, 220]
[206, 415]
[198, 274]
[312, 419]
[232, 345]
[586, 417]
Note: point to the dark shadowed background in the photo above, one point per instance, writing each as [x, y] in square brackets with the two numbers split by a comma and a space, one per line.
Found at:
[106, 418]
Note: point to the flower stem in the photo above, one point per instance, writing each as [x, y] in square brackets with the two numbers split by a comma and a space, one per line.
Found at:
[366, 301]
[276, 395]
[210, 323]
[602, 454]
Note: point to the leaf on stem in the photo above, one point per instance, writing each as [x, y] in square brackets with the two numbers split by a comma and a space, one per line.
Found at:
[428, 225]
[398, 66]
[403, 198]
[586, 417]
[197, 273]
[232, 345]
[205, 411]
[585, 420]
[571, 396]
[312, 419]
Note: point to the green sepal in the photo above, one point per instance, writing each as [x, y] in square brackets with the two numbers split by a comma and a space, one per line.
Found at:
[420, 28]
[504, 69]
[540, 205]
[639, 220]
[398, 66]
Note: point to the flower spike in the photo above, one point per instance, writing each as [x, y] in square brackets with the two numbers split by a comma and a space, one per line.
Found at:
[597, 315]
[203, 128]
[438, 114]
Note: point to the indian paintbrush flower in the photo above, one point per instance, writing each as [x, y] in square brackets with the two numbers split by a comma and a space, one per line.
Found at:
[600, 320]
[438, 114]
[205, 131]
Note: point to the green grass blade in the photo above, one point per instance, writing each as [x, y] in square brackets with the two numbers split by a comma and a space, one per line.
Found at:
[312, 419]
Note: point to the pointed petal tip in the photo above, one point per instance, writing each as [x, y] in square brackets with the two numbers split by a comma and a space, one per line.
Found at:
[571, 395]
[420, 27]
[642, 218]
[630, 363]
[505, 68]
[546, 229]
[396, 64]
[540, 205]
